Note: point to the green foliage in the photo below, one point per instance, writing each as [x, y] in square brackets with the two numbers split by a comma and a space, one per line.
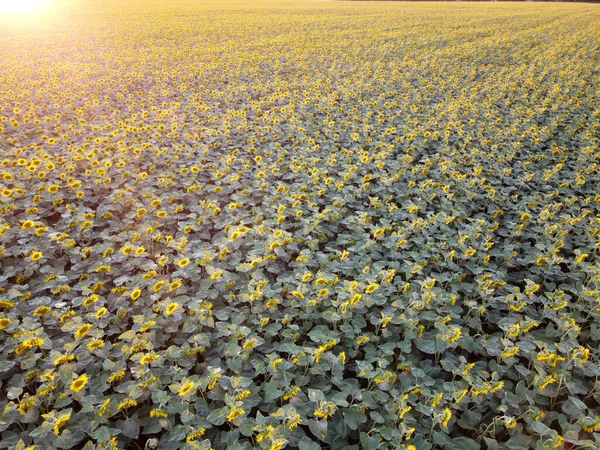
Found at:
[348, 226]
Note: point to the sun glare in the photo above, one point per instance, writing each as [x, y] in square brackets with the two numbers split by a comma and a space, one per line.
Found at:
[22, 6]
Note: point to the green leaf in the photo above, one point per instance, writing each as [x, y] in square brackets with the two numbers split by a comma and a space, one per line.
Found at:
[376, 417]
[469, 420]
[426, 346]
[340, 399]
[69, 439]
[353, 418]
[272, 391]
[315, 395]
[6, 365]
[130, 427]
[318, 428]
[540, 428]
[218, 416]
[306, 444]
[518, 442]
[465, 443]
[443, 439]
[127, 335]
[369, 442]
[492, 444]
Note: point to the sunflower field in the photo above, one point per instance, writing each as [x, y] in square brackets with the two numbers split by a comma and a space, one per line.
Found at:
[319, 224]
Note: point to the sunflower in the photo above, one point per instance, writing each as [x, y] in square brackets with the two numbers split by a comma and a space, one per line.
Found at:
[216, 275]
[79, 383]
[60, 423]
[158, 286]
[371, 288]
[186, 388]
[171, 308]
[184, 262]
[234, 414]
[174, 285]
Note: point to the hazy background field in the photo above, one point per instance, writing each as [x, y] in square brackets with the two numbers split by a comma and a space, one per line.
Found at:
[314, 224]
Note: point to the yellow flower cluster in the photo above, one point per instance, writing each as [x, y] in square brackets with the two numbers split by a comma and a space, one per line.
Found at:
[234, 414]
[325, 410]
[323, 348]
[180, 219]
[592, 427]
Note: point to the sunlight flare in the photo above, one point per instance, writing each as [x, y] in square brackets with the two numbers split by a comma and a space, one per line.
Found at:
[23, 6]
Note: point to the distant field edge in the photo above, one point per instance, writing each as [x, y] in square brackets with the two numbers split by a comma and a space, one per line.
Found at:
[484, 1]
